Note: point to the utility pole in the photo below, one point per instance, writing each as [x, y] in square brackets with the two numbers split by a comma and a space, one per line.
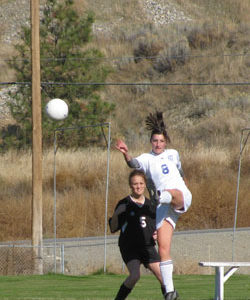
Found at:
[37, 235]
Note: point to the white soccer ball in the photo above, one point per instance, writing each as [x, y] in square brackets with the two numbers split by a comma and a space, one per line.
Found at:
[57, 109]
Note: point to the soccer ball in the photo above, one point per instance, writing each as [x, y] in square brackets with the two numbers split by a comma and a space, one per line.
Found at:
[57, 109]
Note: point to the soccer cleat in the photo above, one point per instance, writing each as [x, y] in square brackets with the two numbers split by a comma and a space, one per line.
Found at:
[172, 295]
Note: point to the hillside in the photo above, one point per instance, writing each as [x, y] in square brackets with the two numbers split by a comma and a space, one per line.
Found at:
[190, 59]
[177, 42]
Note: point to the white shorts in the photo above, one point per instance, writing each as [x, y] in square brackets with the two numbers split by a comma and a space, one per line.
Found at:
[168, 213]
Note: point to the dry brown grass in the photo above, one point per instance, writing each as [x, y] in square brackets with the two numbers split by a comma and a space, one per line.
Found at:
[225, 10]
[81, 183]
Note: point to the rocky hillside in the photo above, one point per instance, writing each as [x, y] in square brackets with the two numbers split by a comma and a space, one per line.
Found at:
[13, 15]
[16, 13]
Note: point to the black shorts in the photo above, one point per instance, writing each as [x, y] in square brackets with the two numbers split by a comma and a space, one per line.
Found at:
[145, 254]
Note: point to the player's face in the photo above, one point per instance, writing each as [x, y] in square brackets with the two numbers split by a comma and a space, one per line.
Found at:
[158, 143]
[137, 185]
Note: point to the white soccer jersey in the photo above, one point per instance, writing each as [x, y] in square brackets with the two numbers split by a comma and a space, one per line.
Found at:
[162, 168]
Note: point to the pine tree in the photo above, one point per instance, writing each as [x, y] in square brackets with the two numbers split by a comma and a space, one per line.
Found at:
[65, 58]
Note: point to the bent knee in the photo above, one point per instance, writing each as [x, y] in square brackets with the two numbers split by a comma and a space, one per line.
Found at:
[133, 278]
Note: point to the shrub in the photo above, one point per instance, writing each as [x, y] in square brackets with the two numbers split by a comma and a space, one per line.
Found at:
[172, 56]
[147, 46]
[205, 36]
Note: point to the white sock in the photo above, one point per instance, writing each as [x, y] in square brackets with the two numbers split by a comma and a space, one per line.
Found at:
[165, 197]
[166, 268]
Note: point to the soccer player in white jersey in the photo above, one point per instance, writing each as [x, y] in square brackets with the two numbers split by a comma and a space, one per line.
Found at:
[165, 176]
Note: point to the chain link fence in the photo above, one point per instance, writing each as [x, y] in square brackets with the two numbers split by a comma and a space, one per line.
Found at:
[67, 256]
[85, 256]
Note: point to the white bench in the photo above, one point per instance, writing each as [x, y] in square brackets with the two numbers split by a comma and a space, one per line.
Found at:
[220, 277]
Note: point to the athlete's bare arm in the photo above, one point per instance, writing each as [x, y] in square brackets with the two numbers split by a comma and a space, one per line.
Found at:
[122, 147]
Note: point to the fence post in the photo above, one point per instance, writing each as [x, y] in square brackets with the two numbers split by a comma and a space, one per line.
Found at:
[62, 258]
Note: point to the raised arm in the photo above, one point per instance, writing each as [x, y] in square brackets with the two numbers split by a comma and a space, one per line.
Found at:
[122, 147]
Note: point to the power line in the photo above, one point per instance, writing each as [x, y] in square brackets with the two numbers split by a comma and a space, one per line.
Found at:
[145, 83]
[132, 83]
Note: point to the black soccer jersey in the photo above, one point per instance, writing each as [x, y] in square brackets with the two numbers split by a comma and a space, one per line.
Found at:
[137, 223]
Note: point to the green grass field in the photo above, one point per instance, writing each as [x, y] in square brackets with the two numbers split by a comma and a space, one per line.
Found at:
[50, 287]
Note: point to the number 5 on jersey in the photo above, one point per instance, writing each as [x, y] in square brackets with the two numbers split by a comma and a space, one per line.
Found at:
[143, 222]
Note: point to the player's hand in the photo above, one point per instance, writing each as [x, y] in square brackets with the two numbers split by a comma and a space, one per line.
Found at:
[121, 146]
[155, 235]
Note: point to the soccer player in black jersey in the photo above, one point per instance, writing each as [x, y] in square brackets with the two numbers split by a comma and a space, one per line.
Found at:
[134, 216]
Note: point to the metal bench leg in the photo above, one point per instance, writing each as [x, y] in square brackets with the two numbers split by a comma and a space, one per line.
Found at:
[220, 279]
[219, 283]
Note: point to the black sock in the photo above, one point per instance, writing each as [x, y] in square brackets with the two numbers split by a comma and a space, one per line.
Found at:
[163, 290]
[123, 292]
